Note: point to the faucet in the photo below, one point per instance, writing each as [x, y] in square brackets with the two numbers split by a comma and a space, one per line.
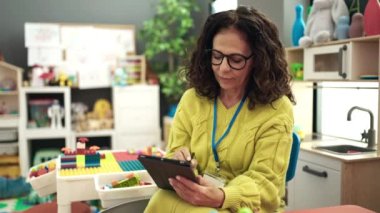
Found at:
[369, 137]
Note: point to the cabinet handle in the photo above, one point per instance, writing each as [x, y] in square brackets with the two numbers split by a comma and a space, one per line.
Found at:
[314, 172]
[341, 73]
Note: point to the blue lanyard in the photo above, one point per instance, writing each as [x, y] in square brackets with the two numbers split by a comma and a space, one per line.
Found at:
[215, 145]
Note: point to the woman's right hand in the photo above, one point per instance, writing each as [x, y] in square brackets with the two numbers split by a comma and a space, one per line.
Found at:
[184, 154]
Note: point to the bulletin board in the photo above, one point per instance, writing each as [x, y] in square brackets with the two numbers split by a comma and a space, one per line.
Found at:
[87, 51]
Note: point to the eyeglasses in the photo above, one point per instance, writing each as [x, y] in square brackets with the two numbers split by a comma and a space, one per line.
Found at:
[235, 61]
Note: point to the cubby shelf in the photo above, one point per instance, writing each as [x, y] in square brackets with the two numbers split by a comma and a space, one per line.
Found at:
[128, 132]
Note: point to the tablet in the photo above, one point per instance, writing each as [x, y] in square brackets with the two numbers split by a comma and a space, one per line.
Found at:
[161, 169]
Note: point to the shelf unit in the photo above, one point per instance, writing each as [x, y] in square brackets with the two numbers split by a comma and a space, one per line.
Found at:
[9, 97]
[362, 58]
[136, 120]
[10, 82]
[30, 135]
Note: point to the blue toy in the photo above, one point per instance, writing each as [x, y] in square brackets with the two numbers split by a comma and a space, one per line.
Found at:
[298, 26]
[16, 187]
[342, 28]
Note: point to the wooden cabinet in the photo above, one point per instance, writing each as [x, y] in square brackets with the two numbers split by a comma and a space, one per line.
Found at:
[317, 182]
[323, 180]
[351, 60]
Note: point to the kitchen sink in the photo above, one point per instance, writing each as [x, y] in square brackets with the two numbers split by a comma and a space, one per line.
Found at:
[345, 149]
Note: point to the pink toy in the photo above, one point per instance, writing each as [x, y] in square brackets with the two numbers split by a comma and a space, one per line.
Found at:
[357, 26]
[372, 18]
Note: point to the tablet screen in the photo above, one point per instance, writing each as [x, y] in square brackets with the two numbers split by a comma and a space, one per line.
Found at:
[161, 169]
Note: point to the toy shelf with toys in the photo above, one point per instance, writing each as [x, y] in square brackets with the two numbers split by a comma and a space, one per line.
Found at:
[113, 118]
[113, 177]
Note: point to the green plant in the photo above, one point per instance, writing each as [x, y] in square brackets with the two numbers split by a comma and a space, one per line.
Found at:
[172, 86]
[168, 32]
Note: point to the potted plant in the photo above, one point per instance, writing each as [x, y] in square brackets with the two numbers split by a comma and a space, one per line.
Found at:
[168, 35]
[172, 86]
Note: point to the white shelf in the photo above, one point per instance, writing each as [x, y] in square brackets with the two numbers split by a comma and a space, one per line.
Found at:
[98, 133]
[9, 121]
[44, 90]
[43, 133]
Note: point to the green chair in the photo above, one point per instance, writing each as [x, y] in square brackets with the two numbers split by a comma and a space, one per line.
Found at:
[44, 155]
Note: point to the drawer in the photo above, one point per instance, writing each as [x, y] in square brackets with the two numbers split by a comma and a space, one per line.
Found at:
[137, 141]
[138, 120]
[316, 186]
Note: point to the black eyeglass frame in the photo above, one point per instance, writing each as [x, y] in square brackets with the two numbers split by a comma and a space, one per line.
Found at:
[246, 58]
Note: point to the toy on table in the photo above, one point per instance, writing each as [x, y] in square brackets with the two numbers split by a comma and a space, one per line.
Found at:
[149, 150]
[130, 180]
[81, 157]
[42, 169]
[56, 114]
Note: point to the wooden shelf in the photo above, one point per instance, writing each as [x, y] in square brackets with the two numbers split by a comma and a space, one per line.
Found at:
[10, 93]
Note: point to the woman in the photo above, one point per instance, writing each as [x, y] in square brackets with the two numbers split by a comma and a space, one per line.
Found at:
[236, 119]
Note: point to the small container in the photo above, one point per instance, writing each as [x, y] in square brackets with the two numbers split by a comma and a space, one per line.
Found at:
[115, 196]
[45, 184]
[39, 111]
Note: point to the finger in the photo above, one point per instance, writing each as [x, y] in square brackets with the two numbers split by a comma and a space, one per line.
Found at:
[181, 189]
[190, 185]
[194, 163]
[181, 154]
[186, 154]
[178, 155]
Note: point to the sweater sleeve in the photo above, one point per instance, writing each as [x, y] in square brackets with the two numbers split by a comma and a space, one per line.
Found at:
[181, 128]
[262, 185]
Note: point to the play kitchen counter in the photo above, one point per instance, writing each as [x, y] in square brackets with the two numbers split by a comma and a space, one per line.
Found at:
[324, 178]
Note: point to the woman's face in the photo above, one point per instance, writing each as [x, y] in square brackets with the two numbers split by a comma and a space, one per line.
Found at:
[232, 43]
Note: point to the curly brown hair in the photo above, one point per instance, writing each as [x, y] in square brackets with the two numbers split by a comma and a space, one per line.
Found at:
[269, 78]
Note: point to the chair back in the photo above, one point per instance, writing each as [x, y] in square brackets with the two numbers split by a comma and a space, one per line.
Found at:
[293, 157]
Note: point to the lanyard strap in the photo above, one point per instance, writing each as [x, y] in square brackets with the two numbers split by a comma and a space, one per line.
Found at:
[214, 144]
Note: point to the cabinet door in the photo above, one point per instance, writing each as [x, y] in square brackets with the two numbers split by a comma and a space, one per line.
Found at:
[328, 62]
[137, 109]
[316, 186]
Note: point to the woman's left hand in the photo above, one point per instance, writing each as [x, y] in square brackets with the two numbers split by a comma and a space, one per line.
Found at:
[202, 194]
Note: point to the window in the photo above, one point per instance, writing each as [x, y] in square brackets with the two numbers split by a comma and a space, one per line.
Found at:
[223, 5]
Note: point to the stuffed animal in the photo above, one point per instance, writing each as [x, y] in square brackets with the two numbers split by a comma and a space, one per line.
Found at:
[322, 21]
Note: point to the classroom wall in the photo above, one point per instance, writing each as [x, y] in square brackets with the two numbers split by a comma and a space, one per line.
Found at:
[14, 13]
[282, 13]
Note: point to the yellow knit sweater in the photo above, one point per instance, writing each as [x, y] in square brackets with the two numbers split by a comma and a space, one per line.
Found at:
[254, 156]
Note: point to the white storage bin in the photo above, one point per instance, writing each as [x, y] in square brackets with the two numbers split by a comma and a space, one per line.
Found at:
[45, 184]
[112, 197]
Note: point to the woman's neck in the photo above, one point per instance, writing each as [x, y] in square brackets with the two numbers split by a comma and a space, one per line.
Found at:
[230, 97]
